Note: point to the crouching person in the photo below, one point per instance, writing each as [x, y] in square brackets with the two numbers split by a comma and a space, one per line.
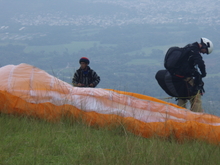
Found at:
[85, 76]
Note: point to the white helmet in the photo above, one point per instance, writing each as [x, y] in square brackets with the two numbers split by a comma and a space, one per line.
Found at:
[207, 44]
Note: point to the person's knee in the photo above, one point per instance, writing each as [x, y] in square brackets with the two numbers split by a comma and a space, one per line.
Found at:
[182, 103]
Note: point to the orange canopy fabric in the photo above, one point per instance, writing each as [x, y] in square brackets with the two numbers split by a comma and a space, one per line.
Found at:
[30, 91]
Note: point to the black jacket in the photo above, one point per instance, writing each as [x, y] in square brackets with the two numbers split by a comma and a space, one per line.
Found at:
[193, 59]
[86, 77]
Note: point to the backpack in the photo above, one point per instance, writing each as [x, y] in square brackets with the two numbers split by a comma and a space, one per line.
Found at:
[172, 80]
[175, 58]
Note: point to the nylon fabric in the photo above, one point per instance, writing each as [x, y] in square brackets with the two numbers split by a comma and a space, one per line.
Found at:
[51, 99]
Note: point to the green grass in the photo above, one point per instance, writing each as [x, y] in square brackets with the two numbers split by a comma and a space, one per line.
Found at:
[148, 50]
[27, 141]
[143, 62]
[214, 75]
[72, 47]
[77, 46]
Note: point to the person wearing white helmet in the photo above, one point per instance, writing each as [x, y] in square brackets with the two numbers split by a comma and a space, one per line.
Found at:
[206, 46]
[194, 71]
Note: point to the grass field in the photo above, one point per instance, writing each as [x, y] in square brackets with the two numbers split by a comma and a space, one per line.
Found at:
[27, 141]
[71, 47]
[143, 62]
[77, 46]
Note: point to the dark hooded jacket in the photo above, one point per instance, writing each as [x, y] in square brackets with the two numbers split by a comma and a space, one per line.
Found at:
[86, 77]
[191, 60]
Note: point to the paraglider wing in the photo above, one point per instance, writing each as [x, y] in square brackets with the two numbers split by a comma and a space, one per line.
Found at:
[28, 90]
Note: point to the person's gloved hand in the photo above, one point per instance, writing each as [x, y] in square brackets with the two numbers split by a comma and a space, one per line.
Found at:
[91, 85]
[203, 74]
[80, 85]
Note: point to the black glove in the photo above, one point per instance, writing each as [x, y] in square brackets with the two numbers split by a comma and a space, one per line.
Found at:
[203, 74]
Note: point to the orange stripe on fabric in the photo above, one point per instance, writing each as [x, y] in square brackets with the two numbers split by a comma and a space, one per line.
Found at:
[144, 97]
[191, 129]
